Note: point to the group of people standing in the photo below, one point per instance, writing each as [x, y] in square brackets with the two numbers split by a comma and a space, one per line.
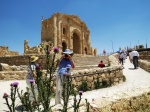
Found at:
[133, 57]
[122, 57]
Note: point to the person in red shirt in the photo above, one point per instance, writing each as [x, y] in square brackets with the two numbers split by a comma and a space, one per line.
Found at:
[101, 64]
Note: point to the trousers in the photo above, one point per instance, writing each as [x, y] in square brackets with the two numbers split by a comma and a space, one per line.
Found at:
[135, 61]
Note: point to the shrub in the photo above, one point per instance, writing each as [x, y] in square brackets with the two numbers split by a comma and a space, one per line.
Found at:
[124, 78]
[84, 87]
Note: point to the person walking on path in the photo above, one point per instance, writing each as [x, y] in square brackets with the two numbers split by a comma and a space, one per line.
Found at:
[134, 56]
[125, 56]
[104, 52]
[65, 60]
[121, 57]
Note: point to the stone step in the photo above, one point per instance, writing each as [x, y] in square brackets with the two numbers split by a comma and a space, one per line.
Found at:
[89, 60]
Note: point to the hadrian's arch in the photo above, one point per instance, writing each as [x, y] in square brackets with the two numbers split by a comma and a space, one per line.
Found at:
[67, 31]
[76, 42]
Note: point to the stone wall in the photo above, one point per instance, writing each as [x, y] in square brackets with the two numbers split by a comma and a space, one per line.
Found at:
[144, 64]
[144, 61]
[13, 75]
[15, 60]
[145, 55]
[22, 60]
[111, 76]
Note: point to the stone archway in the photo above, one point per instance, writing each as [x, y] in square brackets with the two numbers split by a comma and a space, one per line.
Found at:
[94, 52]
[76, 43]
[85, 50]
[64, 46]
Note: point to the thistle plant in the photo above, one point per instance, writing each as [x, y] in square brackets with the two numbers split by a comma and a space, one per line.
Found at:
[77, 102]
[11, 106]
[68, 90]
[87, 105]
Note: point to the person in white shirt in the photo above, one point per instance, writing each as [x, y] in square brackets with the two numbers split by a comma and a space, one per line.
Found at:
[134, 56]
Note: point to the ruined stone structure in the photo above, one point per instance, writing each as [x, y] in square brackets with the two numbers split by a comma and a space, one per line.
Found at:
[4, 51]
[37, 49]
[139, 47]
[64, 31]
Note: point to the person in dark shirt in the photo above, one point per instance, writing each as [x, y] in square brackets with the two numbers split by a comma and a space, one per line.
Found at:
[101, 64]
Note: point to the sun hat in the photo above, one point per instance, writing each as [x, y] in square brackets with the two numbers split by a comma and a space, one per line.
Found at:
[67, 51]
[33, 58]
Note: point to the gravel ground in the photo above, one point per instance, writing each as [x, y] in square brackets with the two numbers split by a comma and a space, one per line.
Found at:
[137, 82]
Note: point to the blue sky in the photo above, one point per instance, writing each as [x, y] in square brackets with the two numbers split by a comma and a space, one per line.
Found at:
[119, 22]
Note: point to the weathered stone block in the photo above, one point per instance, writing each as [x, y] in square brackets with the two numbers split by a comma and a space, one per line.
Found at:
[4, 67]
[89, 79]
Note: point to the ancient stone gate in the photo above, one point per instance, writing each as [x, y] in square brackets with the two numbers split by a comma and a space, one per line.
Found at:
[65, 31]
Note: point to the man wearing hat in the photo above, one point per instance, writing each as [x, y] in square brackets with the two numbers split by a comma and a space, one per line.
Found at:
[65, 64]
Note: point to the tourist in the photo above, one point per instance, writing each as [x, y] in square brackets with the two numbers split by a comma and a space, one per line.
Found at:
[104, 52]
[32, 75]
[101, 64]
[134, 56]
[121, 57]
[125, 56]
[65, 60]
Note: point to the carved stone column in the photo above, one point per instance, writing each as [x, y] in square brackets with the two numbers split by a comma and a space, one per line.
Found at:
[71, 41]
[55, 31]
[82, 41]
[89, 46]
[59, 36]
